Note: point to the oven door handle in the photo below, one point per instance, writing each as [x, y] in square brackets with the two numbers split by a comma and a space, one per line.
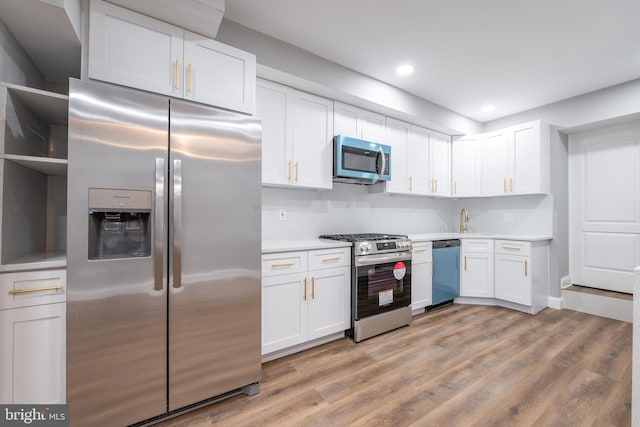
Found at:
[382, 259]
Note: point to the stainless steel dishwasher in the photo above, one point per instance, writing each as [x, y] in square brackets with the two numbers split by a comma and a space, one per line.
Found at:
[446, 271]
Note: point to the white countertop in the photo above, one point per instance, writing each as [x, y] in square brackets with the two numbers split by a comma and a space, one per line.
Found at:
[428, 237]
[272, 246]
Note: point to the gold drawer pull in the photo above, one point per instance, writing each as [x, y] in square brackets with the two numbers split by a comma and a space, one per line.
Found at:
[26, 291]
[330, 259]
[305, 289]
[526, 268]
[313, 287]
[511, 248]
[419, 251]
[504, 184]
[286, 264]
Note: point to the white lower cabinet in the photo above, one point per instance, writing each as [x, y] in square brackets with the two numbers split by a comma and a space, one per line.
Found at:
[33, 337]
[421, 277]
[476, 276]
[305, 296]
[521, 273]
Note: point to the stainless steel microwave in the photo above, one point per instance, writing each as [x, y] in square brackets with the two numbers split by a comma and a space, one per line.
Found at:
[360, 162]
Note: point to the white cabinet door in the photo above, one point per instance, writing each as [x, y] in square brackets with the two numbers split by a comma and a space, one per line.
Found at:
[345, 120]
[495, 163]
[419, 161]
[358, 123]
[329, 301]
[440, 164]
[466, 166]
[477, 275]
[33, 355]
[217, 74]
[284, 311]
[527, 162]
[134, 50]
[372, 126]
[421, 275]
[397, 136]
[273, 106]
[312, 141]
[513, 278]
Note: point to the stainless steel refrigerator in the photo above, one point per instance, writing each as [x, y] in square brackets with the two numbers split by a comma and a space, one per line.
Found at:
[164, 229]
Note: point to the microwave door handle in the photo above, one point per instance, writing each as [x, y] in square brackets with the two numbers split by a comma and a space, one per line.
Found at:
[383, 165]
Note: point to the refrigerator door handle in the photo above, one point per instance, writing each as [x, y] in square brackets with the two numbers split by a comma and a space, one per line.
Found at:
[176, 223]
[158, 244]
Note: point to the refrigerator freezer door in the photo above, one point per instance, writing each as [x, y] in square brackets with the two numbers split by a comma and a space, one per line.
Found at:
[116, 312]
[214, 307]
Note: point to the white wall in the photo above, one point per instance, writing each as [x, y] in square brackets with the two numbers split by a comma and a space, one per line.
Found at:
[350, 208]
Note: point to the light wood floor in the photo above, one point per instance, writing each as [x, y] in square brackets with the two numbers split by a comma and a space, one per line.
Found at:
[457, 366]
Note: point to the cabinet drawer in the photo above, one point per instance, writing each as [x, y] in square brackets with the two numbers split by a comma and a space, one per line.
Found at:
[329, 258]
[477, 245]
[513, 247]
[30, 288]
[284, 263]
[421, 252]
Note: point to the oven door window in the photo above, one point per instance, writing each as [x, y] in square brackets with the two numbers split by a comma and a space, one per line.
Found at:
[383, 287]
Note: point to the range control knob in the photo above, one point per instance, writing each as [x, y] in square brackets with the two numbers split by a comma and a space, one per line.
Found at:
[365, 247]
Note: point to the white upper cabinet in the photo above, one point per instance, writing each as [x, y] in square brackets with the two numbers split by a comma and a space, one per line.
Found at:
[531, 158]
[397, 136]
[218, 74]
[134, 50]
[297, 137]
[440, 163]
[420, 160]
[466, 172]
[358, 123]
[312, 125]
[495, 163]
[515, 160]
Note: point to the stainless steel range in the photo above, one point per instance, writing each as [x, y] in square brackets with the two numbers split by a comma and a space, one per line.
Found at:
[380, 282]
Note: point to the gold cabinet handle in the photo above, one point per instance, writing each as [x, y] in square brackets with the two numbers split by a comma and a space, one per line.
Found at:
[455, 187]
[313, 287]
[190, 71]
[465, 263]
[330, 259]
[511, 248]
[177, 73]
[26, 291]
[432, 268]
[419, 251]
[526, 265]
[432, 187]
[289, 172]
[511, 184]
[304, 295]
[285, 264]
[297, 168]
[436, 185]
[504, 184]
[410, 184]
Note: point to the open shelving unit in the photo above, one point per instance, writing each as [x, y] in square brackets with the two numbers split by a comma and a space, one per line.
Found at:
[33, 178]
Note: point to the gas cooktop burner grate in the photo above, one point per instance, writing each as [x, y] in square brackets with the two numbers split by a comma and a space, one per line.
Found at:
[362, 237]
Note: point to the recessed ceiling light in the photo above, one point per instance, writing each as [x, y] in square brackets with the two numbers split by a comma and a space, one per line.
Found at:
[404, 70]
[488, 108]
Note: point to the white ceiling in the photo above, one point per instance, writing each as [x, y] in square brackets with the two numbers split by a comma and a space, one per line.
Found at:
[515, 54]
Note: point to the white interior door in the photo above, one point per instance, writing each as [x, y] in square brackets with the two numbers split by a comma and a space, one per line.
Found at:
[604, 207]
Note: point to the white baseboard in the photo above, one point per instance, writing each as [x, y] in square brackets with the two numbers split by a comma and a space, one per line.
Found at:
[565, 282]
[555, 302]
[301, 347]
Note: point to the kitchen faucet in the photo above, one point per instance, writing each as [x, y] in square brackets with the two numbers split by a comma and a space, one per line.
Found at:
[464, 219]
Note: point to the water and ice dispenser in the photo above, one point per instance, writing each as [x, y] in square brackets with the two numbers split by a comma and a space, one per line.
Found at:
[119, 223]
